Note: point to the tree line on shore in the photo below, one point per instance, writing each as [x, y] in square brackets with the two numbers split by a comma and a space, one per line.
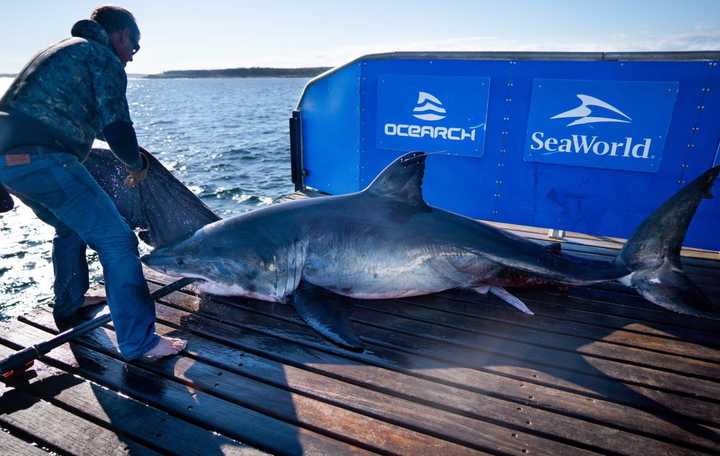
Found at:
[253, 72]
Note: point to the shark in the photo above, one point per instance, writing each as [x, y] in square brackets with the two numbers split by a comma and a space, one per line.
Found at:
[386, 242]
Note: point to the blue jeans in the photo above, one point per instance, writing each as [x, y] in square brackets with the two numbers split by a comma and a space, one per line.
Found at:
[62, 193]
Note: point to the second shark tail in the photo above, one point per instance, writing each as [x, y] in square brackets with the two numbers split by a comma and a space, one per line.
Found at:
[653, 252]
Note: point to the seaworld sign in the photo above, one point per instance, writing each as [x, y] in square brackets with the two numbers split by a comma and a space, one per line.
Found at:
[601, 124]
[584, 144]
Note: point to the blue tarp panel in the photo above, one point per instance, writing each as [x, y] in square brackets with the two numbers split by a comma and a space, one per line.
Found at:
[590, 143]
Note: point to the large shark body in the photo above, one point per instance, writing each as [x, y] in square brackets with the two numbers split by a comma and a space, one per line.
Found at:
[386, 242]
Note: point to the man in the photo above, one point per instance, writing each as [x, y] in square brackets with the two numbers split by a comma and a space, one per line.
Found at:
[68, 95]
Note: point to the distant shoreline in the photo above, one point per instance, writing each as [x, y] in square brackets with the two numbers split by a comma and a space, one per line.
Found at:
[253, 72]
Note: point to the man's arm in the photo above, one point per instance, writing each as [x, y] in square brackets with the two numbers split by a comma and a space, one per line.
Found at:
[123, 142]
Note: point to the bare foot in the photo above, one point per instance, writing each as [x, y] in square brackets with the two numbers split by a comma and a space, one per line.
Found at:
[166, 346]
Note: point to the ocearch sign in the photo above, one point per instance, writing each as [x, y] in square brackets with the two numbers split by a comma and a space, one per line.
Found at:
[600, 124]
[433, 114]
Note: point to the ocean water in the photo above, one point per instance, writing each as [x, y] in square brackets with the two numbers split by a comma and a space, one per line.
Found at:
[226, 139]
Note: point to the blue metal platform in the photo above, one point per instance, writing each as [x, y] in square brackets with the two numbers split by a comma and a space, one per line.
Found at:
[583, 142]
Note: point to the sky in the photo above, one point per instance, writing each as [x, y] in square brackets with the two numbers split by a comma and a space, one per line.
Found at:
[212, 34]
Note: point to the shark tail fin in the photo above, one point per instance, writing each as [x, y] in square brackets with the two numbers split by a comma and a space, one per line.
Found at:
[653, 252]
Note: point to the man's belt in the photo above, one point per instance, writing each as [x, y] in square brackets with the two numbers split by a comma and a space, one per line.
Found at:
[34, 149]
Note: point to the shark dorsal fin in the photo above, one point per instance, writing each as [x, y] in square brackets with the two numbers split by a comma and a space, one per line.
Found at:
[401, 180]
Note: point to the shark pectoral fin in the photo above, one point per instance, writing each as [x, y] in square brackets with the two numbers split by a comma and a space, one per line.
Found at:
[328, 314]
[510, 299]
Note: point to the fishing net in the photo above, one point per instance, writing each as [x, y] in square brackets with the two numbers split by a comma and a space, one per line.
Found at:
[160, 206]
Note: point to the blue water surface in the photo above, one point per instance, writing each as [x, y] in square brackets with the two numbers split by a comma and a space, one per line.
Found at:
[226, 139]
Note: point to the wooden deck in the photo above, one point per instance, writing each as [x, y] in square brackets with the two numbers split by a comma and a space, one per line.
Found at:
[596, 370]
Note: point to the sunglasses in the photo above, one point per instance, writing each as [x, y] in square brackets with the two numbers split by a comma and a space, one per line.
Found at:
[135, 44]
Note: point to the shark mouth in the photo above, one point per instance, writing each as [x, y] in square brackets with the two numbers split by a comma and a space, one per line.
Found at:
[427, 102]
[583, 113]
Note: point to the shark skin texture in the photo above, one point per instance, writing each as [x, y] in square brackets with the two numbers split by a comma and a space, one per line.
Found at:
[385, 242]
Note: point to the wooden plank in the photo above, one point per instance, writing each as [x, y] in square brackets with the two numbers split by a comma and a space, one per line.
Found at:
[469, 333]
[529, 401]
[416, 415]
[586, 381]
[10, 444]
[143, 423]
[611, 303]
[598, 306]
[489, 313]
[59, 430]
[508, 358]
[232, 420]
[618, 300]
[567, 308]
[305, 411]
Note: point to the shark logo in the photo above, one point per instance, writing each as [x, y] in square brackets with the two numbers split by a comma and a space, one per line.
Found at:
[583, 113]
[427, 102]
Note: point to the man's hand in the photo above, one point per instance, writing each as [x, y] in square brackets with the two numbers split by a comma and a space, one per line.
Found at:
[135, 177]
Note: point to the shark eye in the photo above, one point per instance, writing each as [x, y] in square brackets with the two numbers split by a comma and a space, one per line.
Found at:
[180, 261]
